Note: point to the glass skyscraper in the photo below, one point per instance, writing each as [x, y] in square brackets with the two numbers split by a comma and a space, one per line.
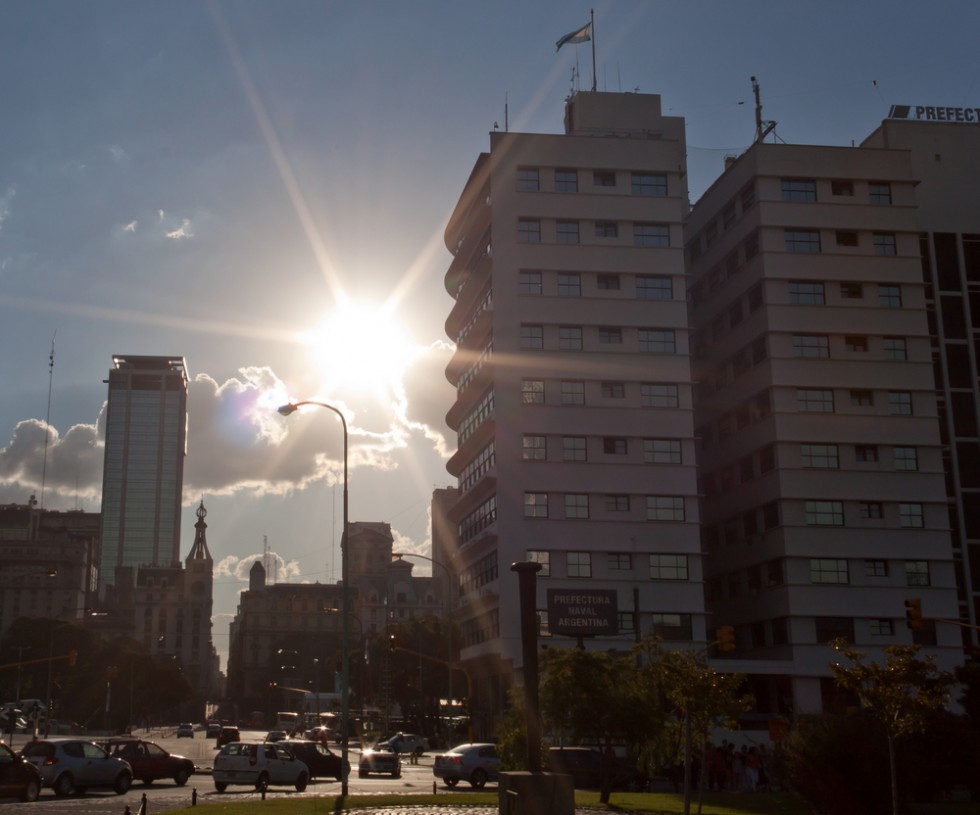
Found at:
[144, 464]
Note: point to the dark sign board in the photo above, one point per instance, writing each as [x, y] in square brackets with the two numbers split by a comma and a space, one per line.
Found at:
[582, 612]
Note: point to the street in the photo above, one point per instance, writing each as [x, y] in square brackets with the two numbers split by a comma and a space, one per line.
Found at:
[164, 795]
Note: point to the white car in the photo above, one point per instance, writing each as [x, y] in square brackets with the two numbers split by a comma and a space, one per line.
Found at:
[260, 765]
[405, 743]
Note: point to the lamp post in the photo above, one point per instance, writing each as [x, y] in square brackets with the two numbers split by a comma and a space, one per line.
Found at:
[449, 618]
[287, 410]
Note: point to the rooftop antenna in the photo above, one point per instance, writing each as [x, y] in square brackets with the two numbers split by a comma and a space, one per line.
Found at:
[762, 127]
[265, 553]
[47, 419]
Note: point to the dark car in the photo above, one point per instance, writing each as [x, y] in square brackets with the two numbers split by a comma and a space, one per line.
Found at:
[227, 735]
[18, 777]
[149, 761]
[586, 764]
[318, 757]
[379, 760]
[212, 730]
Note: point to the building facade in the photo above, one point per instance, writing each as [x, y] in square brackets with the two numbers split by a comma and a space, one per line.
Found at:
[573, 413]
[821, 461]
[142, 480]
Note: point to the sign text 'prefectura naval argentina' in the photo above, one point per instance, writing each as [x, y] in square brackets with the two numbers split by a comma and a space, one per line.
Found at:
[934, 113]
[580, 613]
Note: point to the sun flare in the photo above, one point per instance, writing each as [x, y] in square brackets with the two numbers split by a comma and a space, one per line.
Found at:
[360, 347]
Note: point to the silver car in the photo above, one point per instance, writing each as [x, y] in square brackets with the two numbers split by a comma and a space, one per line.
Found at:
[475, 763]
[73, 765]
[260, 765]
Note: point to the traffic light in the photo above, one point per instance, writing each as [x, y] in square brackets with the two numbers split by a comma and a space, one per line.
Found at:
[913, 613]
[726, 638]
[391, 642]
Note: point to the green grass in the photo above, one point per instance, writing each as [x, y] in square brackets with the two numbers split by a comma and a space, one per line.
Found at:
[620, 802]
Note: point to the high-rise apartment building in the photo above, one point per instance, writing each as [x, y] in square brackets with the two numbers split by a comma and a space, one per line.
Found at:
[143, 475]
[573, 410]
[821, 460]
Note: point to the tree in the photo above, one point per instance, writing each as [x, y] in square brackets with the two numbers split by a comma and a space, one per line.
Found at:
[596, 698]
[704, 697]
[899, 694]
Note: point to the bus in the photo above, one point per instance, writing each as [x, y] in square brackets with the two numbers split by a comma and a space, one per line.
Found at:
[289, 721]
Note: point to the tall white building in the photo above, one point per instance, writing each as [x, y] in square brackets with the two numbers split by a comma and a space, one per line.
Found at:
[821, 460]
[573, 411]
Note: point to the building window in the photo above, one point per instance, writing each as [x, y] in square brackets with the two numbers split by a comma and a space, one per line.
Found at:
[846, 237]
[668, 567]
[884, 243]
[613, 390]
[813, 346]
[870, 510]
[855, 344]
[828, 570]
[906, 458]
[799, 189]
[610, 336]
[889, 296]
[829, 629]
[528, 230]
[665, 508]
[566, 232]
[607, 282]
[606, 229]
[910, 516]
[572, 393]
[880, 192]
[573, 448]
[821, 456]
[844, 188]
[566, 181]
[876, 568]
[865, 453]
[801, 240]
[603, 178]
[824, 513]
[532, 392]
[535, 505]
[529, 283]
[651, 235]
[806, 293]
[576, 505]
[662, 451]
[619, 561]
[617, 503]
[657, 341]
[528, 179]
[532, 336]
[570, 338]
[851, 291]
[881, 628]
[614, 446]
[658, 396]
[895, 348]
[654, 288]
[900, 403]
[917, 573]
[578, 564]
[861, 397]
[648, 184]
[535, 448]
[541, 557]
[569, 284]
[814, 400]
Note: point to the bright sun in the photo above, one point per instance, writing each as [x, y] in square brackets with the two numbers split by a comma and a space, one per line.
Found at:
[361, 347]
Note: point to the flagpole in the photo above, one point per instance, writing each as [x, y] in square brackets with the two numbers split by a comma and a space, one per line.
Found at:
[592, 24]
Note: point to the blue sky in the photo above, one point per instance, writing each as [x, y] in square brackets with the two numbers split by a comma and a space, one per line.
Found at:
[214, 179]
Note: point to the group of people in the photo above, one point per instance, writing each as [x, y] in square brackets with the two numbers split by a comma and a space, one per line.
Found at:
[737, 770]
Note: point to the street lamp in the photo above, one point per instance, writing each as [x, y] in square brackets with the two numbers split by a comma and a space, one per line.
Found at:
[449, 618]
[287, 410]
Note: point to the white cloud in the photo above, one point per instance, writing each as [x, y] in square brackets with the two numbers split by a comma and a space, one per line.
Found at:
[278, 569]
[5, 201]
[182, 231]
[131, 226]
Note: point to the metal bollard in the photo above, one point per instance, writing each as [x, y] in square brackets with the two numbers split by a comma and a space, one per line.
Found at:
[194, 797]
[433, 787]
[143, 807]
[263, 793]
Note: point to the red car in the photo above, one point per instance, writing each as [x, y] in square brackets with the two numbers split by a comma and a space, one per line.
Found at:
[149, 761]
